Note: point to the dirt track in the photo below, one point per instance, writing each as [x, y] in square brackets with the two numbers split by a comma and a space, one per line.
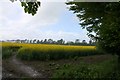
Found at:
[25, 70]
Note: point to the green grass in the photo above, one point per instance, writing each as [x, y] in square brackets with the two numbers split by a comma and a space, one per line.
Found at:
[106, 69]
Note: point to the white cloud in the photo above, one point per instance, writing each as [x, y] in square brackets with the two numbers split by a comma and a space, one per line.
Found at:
[15, 23]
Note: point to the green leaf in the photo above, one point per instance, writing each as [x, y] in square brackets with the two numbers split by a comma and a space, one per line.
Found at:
[23, 4]
[26, 10]
[38, 3]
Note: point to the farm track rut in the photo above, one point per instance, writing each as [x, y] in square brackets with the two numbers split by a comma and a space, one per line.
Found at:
[27, 70]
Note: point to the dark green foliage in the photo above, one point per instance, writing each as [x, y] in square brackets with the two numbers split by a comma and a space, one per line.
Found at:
[89, 13]
[93, 71]
[30, 7]
[14, 48]
[103, 19]
[6, 52]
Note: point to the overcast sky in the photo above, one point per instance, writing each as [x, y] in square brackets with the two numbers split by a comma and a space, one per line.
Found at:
[53, 20]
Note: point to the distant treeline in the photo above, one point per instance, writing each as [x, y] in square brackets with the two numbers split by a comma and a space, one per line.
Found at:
[51, 41]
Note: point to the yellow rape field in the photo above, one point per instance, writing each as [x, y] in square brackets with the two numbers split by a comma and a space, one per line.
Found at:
[38, 46]
[48, 51]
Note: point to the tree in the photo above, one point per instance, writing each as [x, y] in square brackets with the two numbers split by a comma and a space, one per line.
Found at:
[70, 43]
[77, 41]
[102, 19]
[38, 42]
[61, 41]
[30, 41]
[25, 40]
[34, 41]
[90, 42]
[18, 41]
[41, 41]
[30, 6]
[84, 42]
[45, 41]
[50, 41]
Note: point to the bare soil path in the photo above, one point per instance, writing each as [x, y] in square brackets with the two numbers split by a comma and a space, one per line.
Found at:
[25, 70]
